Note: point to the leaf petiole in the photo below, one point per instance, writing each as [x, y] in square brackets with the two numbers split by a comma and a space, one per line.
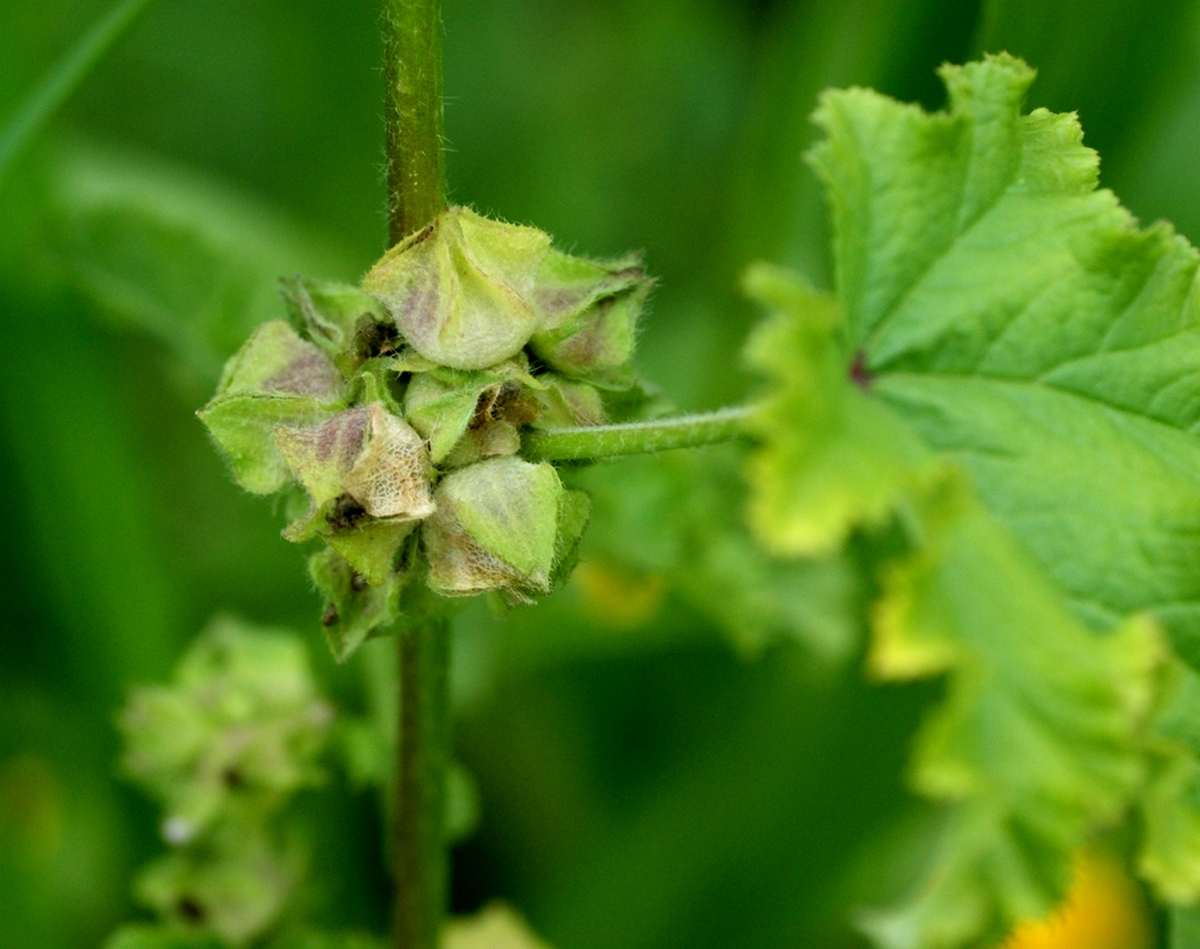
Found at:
[635, 438]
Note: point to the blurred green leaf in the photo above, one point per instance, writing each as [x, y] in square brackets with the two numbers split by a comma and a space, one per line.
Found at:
[1118, 64]
[1185, 928]
[328, 940]
[990, 291]
[63, 80]
[161, 937]
[674, 523]
[494, 927]
[832, 458]
[1169, 856]
[177, 254]
[1027, 684]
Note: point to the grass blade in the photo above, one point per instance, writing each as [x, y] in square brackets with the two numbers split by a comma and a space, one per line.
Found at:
[58, 85]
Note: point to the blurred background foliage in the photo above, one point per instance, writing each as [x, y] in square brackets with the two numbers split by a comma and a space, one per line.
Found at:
[679, 749]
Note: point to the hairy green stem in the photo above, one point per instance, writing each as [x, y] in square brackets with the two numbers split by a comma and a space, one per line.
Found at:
[58, 85]
[418, 822]
[412, 69]
[633, 438]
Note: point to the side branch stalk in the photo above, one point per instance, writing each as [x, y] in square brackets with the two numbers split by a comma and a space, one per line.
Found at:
[633, 438]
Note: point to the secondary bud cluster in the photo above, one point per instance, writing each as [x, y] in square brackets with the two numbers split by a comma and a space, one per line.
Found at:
[392, 415]
[223, 748]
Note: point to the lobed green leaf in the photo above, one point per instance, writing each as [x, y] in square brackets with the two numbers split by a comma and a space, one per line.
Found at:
[1008, 376]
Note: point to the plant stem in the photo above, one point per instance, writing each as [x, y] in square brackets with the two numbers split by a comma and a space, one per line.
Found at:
[418, 843]
[604, 441]
[412, 69]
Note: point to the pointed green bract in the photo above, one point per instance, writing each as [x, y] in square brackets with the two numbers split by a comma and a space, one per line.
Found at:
[321, 456]
[275, 379]
[337, 317]
[495, 526]
[566, 403]
[371, 548]
[440, 412]
[459, 289]
[354, 608]
[588, 312]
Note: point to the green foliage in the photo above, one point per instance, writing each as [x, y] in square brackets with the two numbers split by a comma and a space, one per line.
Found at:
[183, 257]
[641, 786]
[1000, 318]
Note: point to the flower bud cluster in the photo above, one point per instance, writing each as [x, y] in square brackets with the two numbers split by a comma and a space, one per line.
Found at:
[393, 415]
[223, 748]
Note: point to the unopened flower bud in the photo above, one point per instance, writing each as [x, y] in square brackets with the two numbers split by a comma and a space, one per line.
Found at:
[331, 314]
[459, 289]
[495, 528]
[566, 403]
[275, 379]
[353, 609]
[439, 411]
[588, 312]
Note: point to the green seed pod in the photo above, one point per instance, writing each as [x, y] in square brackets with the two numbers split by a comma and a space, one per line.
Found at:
[275, 379]
[495, 528]
[459, 289]
[588, 312]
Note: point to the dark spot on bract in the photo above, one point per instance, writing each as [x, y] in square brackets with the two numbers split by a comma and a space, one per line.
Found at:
[859, 374]
[233, 779]
[358, 583]
[330, 616]
[347, 513]
[191, 910]
[373, 338]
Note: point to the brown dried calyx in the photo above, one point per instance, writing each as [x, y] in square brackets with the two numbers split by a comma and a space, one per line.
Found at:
[364, 457]
[391, 477]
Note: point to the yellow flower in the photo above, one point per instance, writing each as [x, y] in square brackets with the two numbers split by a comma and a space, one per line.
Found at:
[1102, 910]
